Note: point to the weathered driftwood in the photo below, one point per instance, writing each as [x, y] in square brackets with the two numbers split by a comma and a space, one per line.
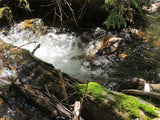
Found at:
[154, 95]
[47, 87]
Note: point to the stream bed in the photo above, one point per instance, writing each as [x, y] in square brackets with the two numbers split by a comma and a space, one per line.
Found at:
[69, 51]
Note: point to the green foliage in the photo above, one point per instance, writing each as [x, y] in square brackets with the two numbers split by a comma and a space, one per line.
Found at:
[115, 20]
[119, 9]
[24, 4]
[6, 15]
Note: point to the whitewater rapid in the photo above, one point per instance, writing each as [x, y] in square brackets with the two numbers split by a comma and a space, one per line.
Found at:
[65, 50]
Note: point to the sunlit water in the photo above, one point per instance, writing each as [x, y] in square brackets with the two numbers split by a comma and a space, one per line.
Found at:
[146, 87]
[66, 51]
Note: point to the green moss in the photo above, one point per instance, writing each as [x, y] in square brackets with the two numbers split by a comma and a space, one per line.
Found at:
[125, 103]
[148, 109]
[146, 118]
[128, 104]
[132, 106]
[93, 89]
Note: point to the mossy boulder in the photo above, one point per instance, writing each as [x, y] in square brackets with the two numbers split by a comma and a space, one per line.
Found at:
[6, 16]
[124, 106]
[35, 25]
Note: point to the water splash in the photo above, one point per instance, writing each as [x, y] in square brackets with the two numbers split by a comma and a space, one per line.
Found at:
[66, 51]
[146, 87]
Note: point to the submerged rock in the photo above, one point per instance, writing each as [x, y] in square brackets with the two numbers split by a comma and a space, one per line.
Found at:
[105, 46]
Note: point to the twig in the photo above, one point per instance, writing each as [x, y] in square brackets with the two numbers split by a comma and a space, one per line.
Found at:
[63, 86]
[49, 13]
[38, 46]
[24, 45]
[49, 94]
[54, 98]
[59, 10]
[48, 5]
[84, 95]
[83, 9]
[69, 96]
[72, 12]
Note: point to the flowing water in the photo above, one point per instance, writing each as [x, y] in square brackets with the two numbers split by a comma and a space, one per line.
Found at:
[66, 51]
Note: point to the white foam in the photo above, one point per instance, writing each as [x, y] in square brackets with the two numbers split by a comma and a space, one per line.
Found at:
[62, 50]
[146, 87]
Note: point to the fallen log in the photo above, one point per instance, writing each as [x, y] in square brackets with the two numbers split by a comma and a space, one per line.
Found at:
[111, 105]
[42, 84]
[43, 78]
[49, 103]
[153, 95]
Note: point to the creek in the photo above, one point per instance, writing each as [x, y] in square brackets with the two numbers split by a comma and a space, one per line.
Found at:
[68, 51]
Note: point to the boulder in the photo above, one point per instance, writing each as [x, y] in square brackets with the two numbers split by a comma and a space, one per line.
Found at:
[35, 25]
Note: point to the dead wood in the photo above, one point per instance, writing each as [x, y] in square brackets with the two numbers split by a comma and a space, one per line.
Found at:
[34, 50]
[40, 81]
[51, 104]
[63, 86]
[153, 95]
[76, 110]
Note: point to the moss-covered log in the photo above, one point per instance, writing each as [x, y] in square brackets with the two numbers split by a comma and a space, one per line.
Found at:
[114, 105]
[40, 81]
